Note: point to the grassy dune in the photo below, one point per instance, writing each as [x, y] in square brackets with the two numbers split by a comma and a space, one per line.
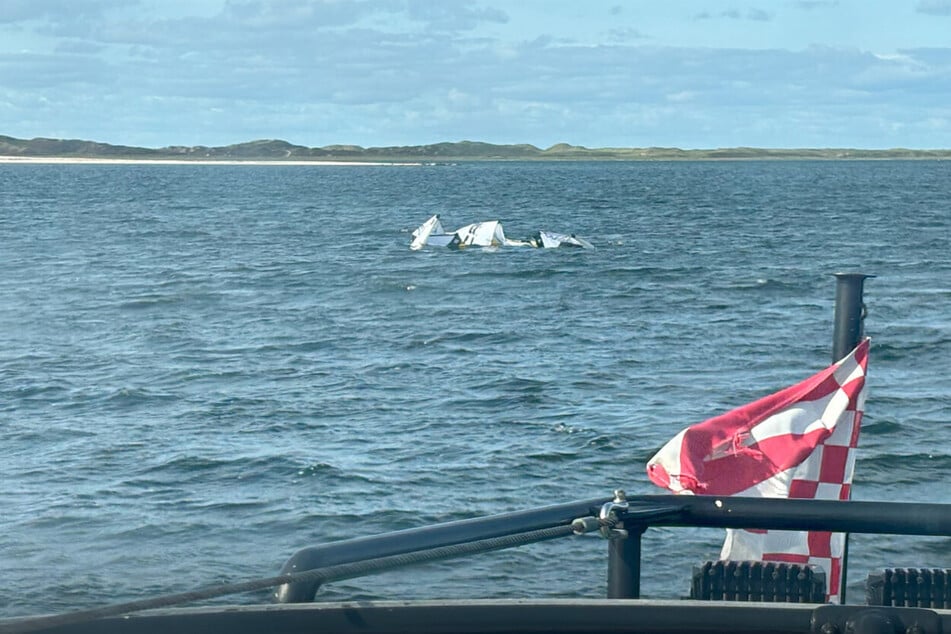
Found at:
[276, 150]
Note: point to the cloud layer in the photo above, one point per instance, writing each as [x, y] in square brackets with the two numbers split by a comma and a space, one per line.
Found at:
[388, 72]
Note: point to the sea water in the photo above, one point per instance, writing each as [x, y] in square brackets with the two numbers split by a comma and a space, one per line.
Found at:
[204, 368]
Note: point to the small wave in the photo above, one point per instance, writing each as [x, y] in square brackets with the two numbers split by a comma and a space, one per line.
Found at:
[148, 301]
[564, 428]
[553, 456]
[126, 398]
[525, 274]
[513, 384]
[760, 284]
[602, 442]
[475, 338]
[48, 392]
[318, 469]
[189, 464]
[881, 428]
[909, 468]
[496, 396]
[197, 465]
[919, 344]
[230, 506]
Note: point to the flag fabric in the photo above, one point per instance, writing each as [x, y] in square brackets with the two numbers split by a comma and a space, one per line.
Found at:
[797, 443]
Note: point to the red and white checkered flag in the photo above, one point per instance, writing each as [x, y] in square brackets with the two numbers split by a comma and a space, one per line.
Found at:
[797, 443]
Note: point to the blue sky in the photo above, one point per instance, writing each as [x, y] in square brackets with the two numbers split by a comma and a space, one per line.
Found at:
[637, 73]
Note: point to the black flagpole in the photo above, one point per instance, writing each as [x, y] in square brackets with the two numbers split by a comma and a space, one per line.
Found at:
[849, 316]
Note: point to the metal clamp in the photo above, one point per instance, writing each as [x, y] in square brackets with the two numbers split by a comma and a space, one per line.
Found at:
[583, 525]
[609, 516]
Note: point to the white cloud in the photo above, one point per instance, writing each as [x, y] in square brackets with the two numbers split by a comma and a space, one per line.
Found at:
[752, 13]
[381, 72]
[682, 96]
[810, 5]
[453, 16]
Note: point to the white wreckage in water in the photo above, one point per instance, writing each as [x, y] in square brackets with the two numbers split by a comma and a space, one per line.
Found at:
[487, 234]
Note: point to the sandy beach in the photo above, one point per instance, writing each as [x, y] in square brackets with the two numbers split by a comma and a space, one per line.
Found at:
[117, 161]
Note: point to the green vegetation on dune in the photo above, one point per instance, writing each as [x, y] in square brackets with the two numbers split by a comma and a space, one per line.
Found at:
[277, 150]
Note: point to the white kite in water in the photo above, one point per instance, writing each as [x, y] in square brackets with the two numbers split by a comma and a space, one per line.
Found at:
[487, 234]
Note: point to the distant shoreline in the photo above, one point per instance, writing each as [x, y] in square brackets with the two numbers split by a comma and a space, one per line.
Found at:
[89, 160]
[278, 152]
[76, 160]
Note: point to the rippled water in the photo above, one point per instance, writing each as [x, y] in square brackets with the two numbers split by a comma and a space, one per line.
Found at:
[205, 368]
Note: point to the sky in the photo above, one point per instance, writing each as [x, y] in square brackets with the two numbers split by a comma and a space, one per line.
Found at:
[693, 74]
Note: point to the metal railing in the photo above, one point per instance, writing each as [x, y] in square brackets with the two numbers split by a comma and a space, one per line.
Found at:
[622, 521]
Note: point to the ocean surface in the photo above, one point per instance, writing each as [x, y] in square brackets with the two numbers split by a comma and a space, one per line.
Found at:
[204, 368]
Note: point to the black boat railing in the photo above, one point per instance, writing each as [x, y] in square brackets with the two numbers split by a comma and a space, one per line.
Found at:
[622, 521]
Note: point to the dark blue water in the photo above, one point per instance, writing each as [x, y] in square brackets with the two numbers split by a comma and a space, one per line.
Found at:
[204, 368]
